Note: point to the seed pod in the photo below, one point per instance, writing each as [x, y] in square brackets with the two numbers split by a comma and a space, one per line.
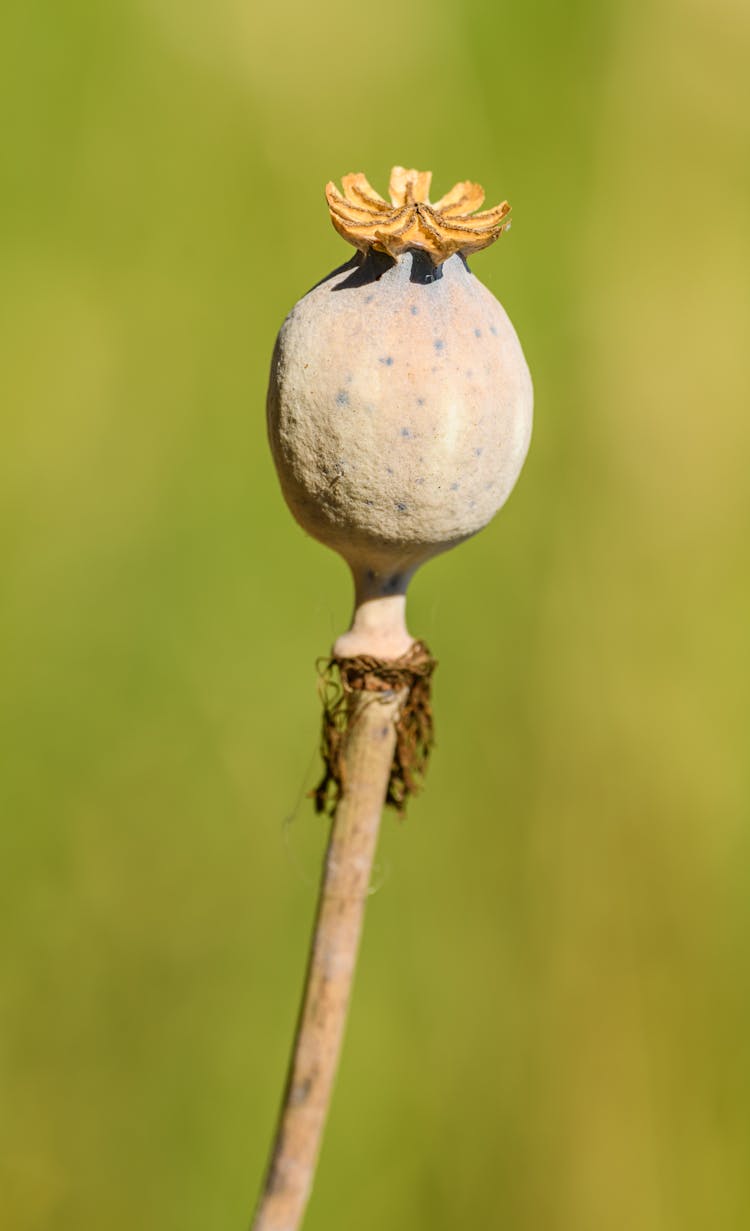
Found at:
[399, 415]
[400, 402]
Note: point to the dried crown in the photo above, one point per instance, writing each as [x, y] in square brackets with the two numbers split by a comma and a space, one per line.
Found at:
[363, 218]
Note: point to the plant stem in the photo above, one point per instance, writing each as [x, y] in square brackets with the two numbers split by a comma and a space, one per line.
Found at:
[333, 955]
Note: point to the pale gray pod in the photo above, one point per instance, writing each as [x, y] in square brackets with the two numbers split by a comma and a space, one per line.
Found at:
[399, 416]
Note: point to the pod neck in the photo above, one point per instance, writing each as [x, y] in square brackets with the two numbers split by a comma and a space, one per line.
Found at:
[379, 622]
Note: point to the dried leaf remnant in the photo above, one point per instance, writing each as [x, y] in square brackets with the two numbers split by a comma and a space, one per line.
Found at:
[343, 680]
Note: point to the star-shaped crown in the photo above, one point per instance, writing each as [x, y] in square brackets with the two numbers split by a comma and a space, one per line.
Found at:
[363, 218]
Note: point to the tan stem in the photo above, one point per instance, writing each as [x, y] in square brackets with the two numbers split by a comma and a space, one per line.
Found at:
[333, 955]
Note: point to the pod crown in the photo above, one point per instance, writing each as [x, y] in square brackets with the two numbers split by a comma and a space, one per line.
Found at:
[364, 218]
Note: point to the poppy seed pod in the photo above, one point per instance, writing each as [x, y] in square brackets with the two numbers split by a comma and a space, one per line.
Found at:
[399, 415]
[400, 402]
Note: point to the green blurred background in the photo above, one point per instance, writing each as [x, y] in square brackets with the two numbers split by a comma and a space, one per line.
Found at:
[551, 1026]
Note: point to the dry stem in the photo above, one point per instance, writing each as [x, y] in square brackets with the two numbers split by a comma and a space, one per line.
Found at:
[333, 955]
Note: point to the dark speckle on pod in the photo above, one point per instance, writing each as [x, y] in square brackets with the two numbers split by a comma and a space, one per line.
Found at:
[439, 344]
[405, 432]
[387, 360]
[342, 398]
[477, 333]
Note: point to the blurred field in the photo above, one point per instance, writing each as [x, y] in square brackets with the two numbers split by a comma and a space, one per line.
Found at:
[551, 1029]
